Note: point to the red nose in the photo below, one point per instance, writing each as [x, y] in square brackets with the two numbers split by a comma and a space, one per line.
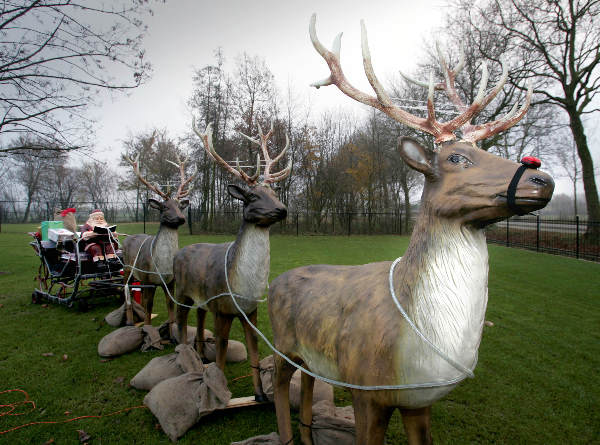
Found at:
[531, 162]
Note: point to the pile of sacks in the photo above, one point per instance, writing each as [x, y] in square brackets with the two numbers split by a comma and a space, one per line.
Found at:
[127, 339]
[182, 389]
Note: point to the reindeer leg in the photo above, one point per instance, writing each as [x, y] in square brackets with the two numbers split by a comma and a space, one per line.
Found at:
[252, 343]
[281, 388]
[148, 301]
[307, 384]
[222, 328]
[182, 317]
[371, 419]
[168, 290]
[199, 342]
[128, 305]
[417, 425]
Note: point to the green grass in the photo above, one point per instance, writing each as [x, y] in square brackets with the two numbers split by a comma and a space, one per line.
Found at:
[537, 381]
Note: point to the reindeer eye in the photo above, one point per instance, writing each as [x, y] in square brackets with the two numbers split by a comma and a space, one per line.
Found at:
[455, 158]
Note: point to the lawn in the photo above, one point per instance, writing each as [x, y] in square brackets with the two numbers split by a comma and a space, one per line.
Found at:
[537, 380]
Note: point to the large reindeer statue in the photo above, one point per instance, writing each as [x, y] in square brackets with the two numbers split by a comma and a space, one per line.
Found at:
[150, 258]
[403, 334]
[200, 268]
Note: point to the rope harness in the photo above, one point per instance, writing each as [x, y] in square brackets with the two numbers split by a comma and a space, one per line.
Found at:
[526, 163]
[465, 372]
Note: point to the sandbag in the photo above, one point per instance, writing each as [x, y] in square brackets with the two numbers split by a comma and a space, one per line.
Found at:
[184, 359]
[120, 341]
[332, 425]
[152, 338]
[321, 391]
[179, 402]
[191, 333]
[236, 351]
[268, 439]
[118, 317]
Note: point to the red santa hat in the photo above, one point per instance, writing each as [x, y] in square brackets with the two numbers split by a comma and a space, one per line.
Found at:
[65, 212]
[97, 211]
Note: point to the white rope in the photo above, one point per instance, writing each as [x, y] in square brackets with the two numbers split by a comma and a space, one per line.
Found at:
[204, 304]
[328, 380]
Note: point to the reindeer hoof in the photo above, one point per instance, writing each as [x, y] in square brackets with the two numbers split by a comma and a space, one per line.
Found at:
[260, 398]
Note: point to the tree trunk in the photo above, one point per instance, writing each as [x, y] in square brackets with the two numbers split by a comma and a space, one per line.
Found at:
[587, 168]
[27, 209]
[406, 191]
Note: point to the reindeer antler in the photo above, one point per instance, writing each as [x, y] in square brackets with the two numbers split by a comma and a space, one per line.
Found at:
[268, 177]
[206, 137]
[182, 192]
[474, 133]
[442, 131]
[153, 187]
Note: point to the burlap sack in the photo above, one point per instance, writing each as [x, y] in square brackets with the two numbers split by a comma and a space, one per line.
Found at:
[191, 333]
[120, 341]
[184, 359]
[236, 351]
[118, 317]
[269, 439]
[332, 425]
[152, 339]
[179, 402]
[321, 391]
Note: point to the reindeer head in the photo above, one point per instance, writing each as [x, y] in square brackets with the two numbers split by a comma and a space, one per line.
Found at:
[261, 205]
[462, 182]
[470, 185]
[170, 208]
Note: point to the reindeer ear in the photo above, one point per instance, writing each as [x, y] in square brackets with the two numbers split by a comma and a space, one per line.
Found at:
[237, 192]
[415, 155]
[155, 204]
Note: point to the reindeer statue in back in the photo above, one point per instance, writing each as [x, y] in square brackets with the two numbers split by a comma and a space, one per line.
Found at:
[404, 334]
[150, 258]
[204, 271]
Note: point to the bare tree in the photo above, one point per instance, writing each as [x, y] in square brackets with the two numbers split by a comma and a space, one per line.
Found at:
[556, 44]
[55, 57]
[154, 149]
[31, 174]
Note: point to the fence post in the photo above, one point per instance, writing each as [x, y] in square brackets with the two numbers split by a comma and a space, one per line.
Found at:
[190, 219]
[144, 207]
[507, 235]
[297, 225]
[537, 237]
[577, 236]
[349, 223]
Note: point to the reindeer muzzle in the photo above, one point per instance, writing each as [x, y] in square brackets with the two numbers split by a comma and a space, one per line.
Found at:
[526, 163]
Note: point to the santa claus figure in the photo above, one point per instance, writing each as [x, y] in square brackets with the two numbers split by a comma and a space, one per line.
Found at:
[94, 242]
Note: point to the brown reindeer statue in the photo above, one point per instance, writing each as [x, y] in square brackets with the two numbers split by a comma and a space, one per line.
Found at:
[150, 258]
[404, 334]
[200, 268]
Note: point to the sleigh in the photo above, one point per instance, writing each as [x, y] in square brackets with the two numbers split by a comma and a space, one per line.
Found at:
[67, 275]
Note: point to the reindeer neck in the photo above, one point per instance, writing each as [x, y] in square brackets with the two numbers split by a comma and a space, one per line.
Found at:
[249, 260]
[445, 269]
[164, 247]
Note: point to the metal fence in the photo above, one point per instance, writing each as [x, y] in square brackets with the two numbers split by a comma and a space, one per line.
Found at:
[307, 223]
[569, 237]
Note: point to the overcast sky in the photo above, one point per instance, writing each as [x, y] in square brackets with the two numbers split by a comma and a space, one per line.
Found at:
[183, 34]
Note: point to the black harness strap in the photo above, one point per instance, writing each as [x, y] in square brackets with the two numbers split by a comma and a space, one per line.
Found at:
[512, 190]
